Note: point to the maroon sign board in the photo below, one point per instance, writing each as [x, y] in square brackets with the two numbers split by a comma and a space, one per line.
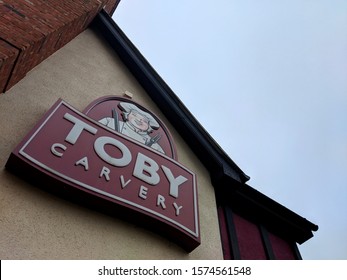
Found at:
[116, 157]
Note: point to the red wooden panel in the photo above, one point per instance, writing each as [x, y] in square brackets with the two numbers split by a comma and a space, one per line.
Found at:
[224, 234]
[249, 239]
[282, 249]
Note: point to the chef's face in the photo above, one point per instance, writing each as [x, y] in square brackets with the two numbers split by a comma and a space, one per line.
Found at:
[137, 120]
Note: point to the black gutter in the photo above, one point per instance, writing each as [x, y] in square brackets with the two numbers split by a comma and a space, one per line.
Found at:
[227, 178]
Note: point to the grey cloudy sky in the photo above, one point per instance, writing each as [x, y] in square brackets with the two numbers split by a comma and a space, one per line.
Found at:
[268, 80]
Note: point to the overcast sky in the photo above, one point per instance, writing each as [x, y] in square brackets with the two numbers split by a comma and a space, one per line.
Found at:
[272, 76]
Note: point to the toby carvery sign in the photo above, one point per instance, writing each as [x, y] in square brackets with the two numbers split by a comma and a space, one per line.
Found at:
[117, 157]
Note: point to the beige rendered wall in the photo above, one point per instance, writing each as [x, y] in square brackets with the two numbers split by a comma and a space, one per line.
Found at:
[37, 225]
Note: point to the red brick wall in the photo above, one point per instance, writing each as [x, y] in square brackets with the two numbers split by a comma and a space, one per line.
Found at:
[32, 30]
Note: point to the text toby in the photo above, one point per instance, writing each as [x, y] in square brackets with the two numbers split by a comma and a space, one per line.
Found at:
[145, 168]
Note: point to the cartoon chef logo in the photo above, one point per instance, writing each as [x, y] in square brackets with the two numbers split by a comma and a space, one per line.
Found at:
[133, 121]
[136, 124]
